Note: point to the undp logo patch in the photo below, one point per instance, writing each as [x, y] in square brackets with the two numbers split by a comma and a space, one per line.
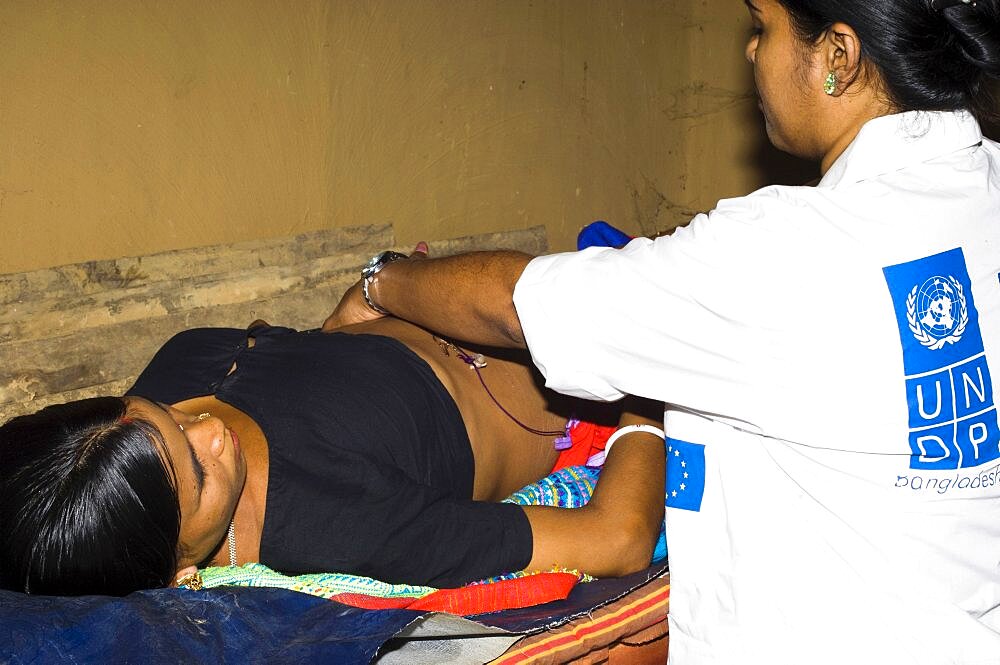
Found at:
[949, 390]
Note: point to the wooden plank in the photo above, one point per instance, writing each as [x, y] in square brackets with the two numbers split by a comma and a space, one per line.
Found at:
[74, 361]
[97, 276]
[117, 387]
[532, 241]
[76, 345]
[53, 317]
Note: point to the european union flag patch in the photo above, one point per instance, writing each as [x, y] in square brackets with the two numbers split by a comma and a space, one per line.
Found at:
[685, 474]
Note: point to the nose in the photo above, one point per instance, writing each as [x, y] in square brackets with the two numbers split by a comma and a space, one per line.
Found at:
[751, 50]
[209, 431]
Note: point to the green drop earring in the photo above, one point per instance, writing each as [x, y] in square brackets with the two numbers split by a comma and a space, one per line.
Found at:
[830, 83]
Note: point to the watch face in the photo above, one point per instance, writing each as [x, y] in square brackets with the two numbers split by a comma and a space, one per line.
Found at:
[379, 260]
[374, 263]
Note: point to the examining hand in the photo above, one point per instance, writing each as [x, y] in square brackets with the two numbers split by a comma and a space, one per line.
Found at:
[352, 307]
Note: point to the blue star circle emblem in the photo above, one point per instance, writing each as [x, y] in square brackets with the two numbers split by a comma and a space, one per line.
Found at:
[937, 312]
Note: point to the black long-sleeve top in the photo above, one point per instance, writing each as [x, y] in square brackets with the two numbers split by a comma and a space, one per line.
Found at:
[370, 466]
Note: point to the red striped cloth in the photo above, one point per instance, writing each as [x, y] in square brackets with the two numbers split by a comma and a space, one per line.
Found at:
[477, 598]
[588, 439]
[635, 612]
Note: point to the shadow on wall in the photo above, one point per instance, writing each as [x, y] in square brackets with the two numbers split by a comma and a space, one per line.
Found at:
[780, 168]
[773, 166]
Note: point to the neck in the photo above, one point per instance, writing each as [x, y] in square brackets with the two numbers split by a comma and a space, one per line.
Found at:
[241, 537]
[853, 110]
[839, 146]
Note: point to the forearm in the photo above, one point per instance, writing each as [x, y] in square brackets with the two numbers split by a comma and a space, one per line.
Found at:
[467, 296]
[615, 533]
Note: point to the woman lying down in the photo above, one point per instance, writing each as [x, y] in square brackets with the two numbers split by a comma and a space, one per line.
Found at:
[372, 450]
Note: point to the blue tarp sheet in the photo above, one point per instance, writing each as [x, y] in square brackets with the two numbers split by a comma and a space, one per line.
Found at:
[239, 625]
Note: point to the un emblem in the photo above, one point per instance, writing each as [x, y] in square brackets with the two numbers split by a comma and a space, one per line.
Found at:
[936, 312]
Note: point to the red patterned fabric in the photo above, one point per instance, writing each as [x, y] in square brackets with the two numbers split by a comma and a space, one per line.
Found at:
[588, 439]
[633, 614]
[477, 598]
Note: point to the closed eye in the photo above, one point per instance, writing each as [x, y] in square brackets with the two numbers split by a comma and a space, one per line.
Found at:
[196, 465]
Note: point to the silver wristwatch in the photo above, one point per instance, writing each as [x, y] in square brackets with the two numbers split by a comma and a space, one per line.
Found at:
[371, 268]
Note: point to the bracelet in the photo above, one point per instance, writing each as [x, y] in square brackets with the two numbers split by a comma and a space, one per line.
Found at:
[372, 268]
[368, 299]
[628, 429]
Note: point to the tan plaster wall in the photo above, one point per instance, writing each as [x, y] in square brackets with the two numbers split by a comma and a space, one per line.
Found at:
[133, 127]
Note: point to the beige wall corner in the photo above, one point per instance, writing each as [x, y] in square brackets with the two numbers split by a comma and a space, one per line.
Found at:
[128, 128]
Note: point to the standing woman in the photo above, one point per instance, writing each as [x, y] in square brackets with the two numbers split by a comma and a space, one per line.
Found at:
[825, 354]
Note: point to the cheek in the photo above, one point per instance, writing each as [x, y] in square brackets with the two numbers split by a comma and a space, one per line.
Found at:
[772, 82]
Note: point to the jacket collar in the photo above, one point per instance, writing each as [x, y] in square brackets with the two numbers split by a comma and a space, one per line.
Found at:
[892, 142]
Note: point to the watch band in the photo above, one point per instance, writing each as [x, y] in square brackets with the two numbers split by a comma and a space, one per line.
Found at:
[371, 269]
[368, 298]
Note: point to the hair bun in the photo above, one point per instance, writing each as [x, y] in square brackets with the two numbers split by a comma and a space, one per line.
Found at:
[975, 28]
[941, 5]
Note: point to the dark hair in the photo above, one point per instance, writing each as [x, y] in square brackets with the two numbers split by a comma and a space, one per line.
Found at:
[87, 502]
[929, 59]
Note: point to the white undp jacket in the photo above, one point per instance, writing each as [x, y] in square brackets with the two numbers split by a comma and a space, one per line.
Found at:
[826, 356]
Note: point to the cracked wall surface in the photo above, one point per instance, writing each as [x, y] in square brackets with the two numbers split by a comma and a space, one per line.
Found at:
[132, 128]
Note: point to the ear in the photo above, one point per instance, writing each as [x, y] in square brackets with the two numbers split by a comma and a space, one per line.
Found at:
[840, 53]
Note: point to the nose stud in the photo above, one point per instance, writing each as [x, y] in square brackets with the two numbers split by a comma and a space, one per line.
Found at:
[199, 418]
